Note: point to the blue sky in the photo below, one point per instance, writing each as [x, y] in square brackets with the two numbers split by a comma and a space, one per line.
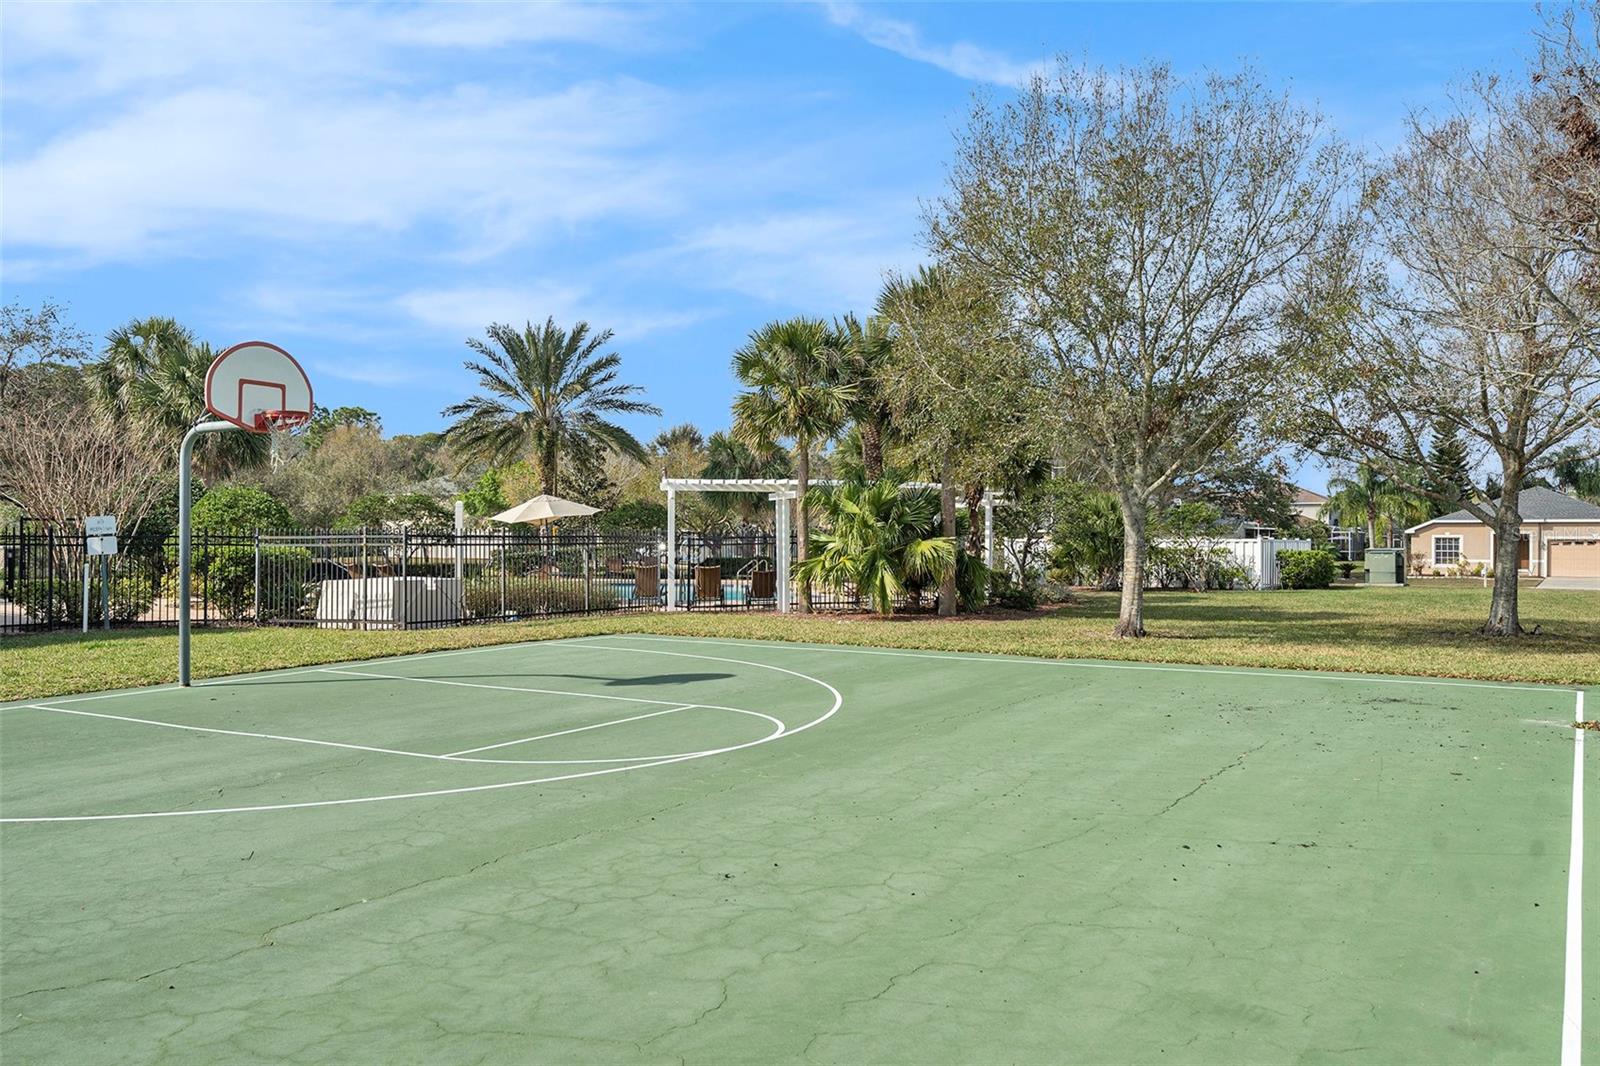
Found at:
[369, 185]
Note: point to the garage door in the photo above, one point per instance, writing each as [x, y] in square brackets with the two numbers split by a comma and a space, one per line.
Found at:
[1575, 558]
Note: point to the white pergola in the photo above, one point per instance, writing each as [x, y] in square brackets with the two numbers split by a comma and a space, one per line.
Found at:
[781, 491]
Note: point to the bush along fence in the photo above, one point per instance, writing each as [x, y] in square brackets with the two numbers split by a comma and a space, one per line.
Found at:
[385, 579]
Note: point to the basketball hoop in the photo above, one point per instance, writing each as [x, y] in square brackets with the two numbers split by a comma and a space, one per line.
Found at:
[257, 387]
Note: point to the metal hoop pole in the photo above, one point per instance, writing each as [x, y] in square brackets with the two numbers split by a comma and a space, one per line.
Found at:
[185, 459]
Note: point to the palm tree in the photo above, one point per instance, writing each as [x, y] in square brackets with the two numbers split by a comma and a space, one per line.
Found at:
[1373, 495]
[729, 457]
[864, 353]
[684, 435]
[132, 354]
[793, 392]
[154, 372]
[880, 542]
[679, 451]
[548, 391]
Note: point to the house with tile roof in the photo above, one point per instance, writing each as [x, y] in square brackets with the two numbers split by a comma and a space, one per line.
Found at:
[1560, 538]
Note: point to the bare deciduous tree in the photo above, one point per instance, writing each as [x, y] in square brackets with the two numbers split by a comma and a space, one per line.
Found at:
[1146, 229]
[1468, 305]
[63, 459]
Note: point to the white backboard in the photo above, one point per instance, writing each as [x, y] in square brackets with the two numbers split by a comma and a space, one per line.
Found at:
[100, 545]
[255, 377]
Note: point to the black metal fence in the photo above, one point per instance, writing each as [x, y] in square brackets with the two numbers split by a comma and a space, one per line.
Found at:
[42, 579]
[386, 579]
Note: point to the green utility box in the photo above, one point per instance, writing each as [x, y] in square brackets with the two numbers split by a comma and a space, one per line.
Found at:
[1386, 566]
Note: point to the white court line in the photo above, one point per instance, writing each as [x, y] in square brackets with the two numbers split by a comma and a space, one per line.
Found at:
[838, 702]
[1572, 1002]
[567, 732]
[778, 728]
[967, 657]
[224, 732]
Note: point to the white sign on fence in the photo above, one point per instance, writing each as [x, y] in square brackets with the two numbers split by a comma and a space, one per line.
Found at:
[100, 545]
[99, 525]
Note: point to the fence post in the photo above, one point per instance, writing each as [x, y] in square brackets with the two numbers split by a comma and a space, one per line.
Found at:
[502, 535]
[255, 607]
[403, 608]
[672, 549]
[363, 578]
[105, 592]
[586, 572]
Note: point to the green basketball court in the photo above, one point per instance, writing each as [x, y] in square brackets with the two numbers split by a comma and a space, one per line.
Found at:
[641, 849]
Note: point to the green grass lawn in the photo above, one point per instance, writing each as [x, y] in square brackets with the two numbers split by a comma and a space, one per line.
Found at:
[1427, 631]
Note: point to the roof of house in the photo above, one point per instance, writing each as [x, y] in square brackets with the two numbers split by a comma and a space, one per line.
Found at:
[1537, 505]
[1307, 496]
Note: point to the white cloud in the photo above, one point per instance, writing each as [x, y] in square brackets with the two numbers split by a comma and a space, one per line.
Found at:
[468, 309]
[964, 60]
[58, 52]
[380, 373]
[495, 167]
[822, 260]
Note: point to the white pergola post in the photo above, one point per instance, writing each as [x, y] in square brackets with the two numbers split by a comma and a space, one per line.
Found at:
[672, 549]
[988, 530]
[780, 510]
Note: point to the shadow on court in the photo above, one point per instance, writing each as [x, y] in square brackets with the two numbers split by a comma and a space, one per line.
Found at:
[612, 682]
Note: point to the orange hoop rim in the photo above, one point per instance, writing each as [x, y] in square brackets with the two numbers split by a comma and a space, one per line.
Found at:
[271, 421]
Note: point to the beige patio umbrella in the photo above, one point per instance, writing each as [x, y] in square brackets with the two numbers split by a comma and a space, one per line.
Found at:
[543, 508]
[541, 511]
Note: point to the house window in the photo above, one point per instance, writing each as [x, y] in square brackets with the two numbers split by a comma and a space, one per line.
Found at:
[1446, 551]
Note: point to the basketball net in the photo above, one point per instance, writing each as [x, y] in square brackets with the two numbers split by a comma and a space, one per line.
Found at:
[279, 426]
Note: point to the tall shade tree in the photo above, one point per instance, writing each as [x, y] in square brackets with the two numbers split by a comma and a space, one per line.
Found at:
[1568, 81]
[547, 393]
[1146, 228]
[793, 391]
[865, 355]
[1465, 302]
[29, 336]
[961, 394]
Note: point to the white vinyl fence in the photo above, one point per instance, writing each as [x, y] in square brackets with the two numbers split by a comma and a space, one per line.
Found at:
[1257, 557]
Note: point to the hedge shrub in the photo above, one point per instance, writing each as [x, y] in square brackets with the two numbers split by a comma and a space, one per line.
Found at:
[1310, 569]
[61, 600]
[534, 595]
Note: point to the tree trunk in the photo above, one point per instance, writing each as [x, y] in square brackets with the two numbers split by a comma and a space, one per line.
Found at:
[547, 471]
[947, 514]
[1130, 616]
[802, 469]
[871, 448]
[1503, 620]
[975, 519]
[1372, 527]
